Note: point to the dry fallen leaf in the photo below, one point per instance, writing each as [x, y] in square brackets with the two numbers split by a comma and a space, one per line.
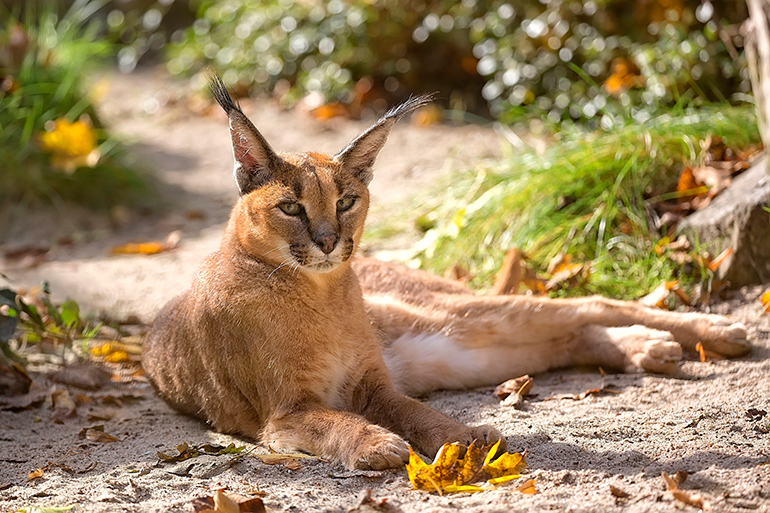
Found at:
[527, 488]
[449, 473]
[288, 460]
[148, 248]
[689, 187]
[689, 498]
[565, 274]
[228, 502]
[701, 352]
[765, 299]
[116, 352]
[35, 474]
[186, 451]
[617, 492]
[95, 435]
[509, 277]
[513, 391]
[657, 298]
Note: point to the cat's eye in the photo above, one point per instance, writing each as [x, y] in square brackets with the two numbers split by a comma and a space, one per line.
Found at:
[290, 209]
[345, 204]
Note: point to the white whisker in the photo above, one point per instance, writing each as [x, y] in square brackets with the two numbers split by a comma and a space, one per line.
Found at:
[276, 249]
[281, 265]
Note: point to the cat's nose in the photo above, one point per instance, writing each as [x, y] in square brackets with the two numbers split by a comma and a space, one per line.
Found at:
[326, 241]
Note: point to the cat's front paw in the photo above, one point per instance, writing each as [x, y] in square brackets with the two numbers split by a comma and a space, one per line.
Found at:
[484, 435]
[380, 450]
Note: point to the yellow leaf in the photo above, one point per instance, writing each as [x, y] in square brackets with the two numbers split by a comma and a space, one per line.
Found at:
[506, 464]
[141, 248]
[449, 473]
[701, 352]
[71, 145]
[766, 301]
[117, 357]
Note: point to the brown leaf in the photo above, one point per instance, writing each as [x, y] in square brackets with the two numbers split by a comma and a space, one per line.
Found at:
[97, 434]
[617, 492]
[533, 281]
[671, 483]
[100, 436]
[35, 474]
[527, 488]
[228, 502]
[691, 499]
[513, 391]
[510, 275]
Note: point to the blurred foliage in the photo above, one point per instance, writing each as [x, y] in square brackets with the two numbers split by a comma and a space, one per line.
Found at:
[52, 145]
[590, 61]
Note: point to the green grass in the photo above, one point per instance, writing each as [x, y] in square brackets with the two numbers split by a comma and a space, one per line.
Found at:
[611, 179]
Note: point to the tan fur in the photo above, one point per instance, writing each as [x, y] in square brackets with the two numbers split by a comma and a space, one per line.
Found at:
[276, 338]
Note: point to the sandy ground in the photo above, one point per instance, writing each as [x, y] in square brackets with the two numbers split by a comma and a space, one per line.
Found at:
[707, 421]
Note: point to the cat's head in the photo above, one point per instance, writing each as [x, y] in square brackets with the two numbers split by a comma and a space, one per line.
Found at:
[302, 211]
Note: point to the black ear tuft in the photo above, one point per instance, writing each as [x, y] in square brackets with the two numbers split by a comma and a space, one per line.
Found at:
[413, 103]
[219, 92]
[358, 157]
[255, 160]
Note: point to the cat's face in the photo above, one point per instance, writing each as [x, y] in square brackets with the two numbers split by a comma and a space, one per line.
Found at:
[302, 211]
[310, 217]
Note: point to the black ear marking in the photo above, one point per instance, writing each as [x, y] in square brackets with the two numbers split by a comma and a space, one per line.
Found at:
[255, 160]
[359, 155]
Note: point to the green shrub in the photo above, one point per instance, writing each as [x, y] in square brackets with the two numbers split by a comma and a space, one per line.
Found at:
[592, 61]
[52, 144]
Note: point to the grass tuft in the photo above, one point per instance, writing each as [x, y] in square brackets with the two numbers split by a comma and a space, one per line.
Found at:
[586, 195]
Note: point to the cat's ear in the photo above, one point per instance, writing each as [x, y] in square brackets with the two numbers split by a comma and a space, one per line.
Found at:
[255, 160]
[358, 157]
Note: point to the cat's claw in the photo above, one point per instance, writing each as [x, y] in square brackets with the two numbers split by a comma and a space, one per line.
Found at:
[387, 451]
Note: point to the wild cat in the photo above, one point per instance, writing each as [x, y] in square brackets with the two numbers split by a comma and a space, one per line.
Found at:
[285, 336]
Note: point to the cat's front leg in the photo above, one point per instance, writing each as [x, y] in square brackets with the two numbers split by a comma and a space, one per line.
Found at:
[337, 435]
[425, 428]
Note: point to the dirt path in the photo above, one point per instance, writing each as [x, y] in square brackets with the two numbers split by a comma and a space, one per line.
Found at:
[699, 422]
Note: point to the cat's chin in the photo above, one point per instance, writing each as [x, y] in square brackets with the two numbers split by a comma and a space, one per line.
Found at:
[325, 266]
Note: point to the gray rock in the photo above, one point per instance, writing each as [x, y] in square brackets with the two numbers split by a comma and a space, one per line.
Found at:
[737, 218]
